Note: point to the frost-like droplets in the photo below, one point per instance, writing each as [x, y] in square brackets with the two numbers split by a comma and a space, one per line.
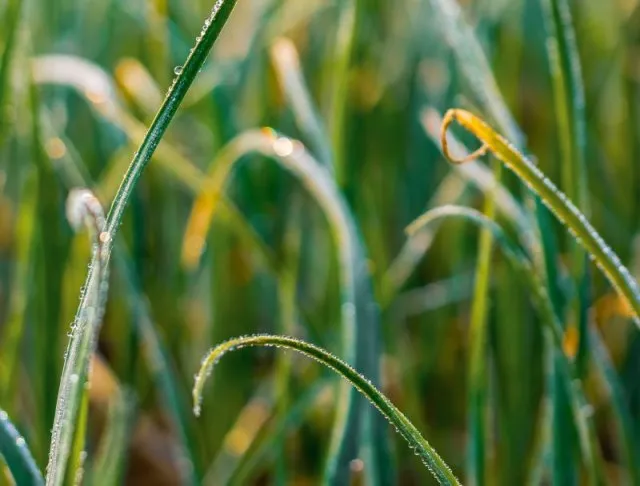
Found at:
[20, 442]
[177, 70]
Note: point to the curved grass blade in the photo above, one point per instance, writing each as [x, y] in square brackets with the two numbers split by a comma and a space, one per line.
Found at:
[96, 87]
[553, 327]
[429, 456]
[88, 317]
[110, 460]
[450, 191]
[619, 401]
[575, 222]
[359, 319]
[287, 65]
[570, 115]
[16, 454]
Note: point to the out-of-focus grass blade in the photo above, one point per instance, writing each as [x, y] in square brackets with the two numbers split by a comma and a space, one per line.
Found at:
[619, 402]
[346, 34]
[553, 326]
[473, 63]
[95, 85]
[360, 333]
[11, 20]
[405, 428]
[272, 431]
[111, 456]
[287, 65]
[15, 326]
[478, 385]
[16, 454]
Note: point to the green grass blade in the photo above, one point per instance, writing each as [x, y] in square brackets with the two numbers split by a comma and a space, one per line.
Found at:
[14, 329]
[348, 12]
[12, 16]
[473, 64]
[619, 401]
[287, 65]
[552, 325]
[153, 351]
[88, 318]
[566, 75]
[574, 221]
[478, 385]
[83, 209]
[404, 427]
[16, 454]
[359, 341]
[111, 456]
[450, 191]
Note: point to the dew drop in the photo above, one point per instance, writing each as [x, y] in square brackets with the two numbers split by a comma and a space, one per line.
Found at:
[177, 70]
[283, 147]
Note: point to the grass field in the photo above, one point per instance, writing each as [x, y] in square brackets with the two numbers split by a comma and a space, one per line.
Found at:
[420, 219]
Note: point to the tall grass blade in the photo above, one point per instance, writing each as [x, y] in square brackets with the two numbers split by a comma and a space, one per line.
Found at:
[287, 65]
[16, 454]
[153, 350]
[405, 428]
[348, 13]
[86, 326]
[478, 385]
[569, 102]
[473, 64]
[575, 222]
[83, 210]
[569, 106]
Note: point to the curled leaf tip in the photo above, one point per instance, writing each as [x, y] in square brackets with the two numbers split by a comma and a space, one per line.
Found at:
[461, 117]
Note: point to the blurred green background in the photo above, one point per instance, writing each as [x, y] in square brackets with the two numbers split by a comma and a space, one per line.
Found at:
[361, 84]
